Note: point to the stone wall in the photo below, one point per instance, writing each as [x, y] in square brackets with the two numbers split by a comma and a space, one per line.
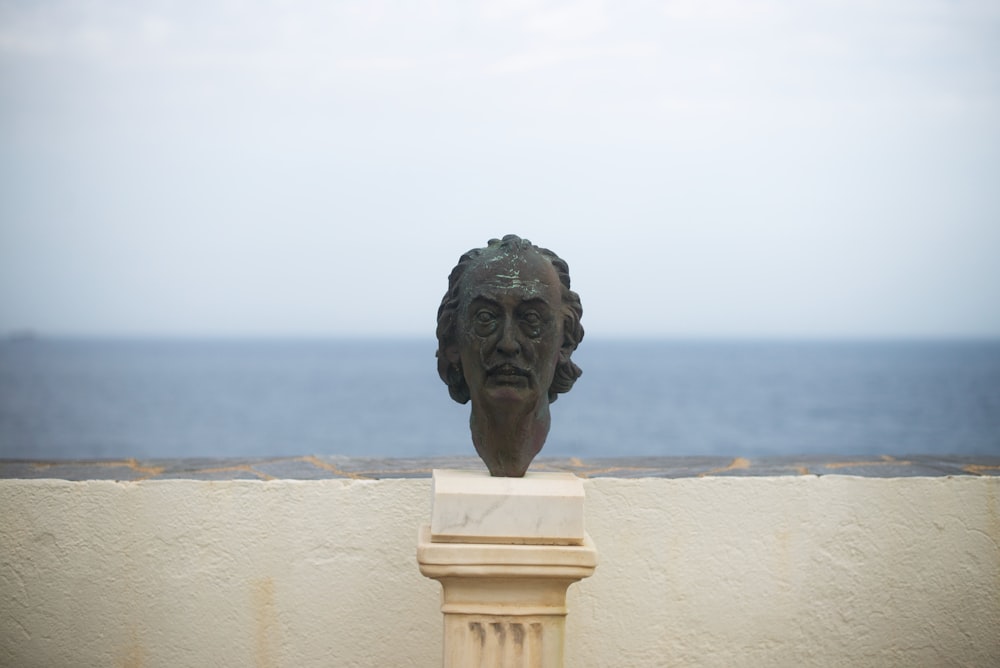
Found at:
[789, 570]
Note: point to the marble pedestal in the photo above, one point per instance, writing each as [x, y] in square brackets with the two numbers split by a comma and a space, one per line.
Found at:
[505, 565]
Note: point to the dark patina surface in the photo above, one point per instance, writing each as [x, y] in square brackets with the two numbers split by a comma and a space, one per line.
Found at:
[507, 328]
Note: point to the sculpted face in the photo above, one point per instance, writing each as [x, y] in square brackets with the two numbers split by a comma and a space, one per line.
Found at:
[510, 329]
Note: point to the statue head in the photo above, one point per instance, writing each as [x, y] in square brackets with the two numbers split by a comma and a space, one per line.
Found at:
[507, 328]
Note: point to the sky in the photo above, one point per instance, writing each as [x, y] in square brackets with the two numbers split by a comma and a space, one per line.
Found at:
[708, 169]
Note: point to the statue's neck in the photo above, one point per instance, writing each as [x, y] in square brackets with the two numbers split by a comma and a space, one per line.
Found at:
[508, 438]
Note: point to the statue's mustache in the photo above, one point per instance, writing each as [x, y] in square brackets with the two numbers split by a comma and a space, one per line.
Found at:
[506, 369]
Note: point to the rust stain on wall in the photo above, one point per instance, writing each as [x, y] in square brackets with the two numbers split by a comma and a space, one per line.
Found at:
[134, 655]
[737, 464]
[980, 469]
[883, 461]
[319, 463]
[265, 622]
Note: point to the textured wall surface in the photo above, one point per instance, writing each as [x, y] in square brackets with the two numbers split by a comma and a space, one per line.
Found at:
[713, 571]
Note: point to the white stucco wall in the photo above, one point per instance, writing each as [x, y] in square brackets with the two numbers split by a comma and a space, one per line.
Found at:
[786, 571]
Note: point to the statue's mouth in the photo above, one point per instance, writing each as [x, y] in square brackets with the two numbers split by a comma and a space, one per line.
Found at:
[507, 370]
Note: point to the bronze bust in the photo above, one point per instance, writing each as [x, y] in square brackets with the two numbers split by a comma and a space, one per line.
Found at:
[506, 330]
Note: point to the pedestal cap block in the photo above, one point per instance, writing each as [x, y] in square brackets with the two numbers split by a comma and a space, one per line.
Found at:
[539, 509]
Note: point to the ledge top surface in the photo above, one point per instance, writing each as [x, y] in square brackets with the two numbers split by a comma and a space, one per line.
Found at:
[322, 467]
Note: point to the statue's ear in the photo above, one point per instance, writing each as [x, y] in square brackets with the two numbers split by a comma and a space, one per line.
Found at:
[568, 346]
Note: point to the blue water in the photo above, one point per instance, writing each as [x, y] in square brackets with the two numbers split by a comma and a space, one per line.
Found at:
[177, 398]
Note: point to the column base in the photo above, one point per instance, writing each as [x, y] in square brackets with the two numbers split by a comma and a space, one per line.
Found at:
[504, 605]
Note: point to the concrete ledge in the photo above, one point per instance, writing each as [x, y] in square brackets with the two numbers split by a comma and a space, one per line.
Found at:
[720, 570]
[332, 467]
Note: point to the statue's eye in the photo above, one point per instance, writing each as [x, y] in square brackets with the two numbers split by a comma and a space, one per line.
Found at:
[531, 323]
[484, 321]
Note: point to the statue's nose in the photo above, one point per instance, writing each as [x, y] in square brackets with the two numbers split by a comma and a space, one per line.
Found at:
[508, 344]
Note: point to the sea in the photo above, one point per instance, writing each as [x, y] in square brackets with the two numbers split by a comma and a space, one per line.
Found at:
[184, 398]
